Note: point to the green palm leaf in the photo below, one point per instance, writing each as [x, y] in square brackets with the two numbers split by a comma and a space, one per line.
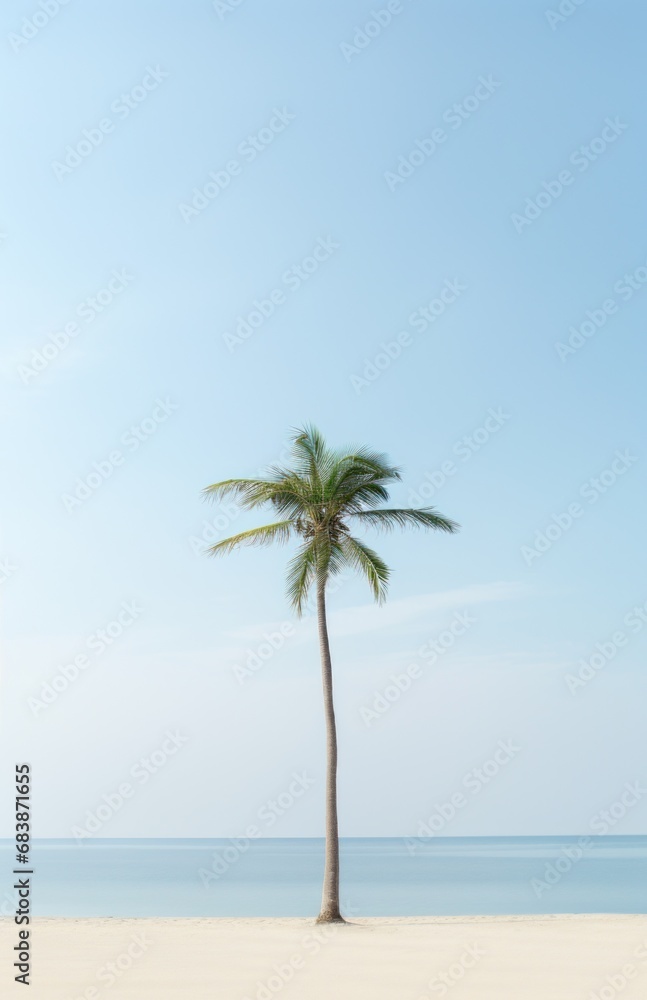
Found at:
[301, 575]
[279, 532]
[359, 557]
[387, 520]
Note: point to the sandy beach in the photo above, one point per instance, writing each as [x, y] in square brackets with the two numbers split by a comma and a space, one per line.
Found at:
[489, 958]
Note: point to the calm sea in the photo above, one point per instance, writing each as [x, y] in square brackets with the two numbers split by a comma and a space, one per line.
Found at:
[380, 877]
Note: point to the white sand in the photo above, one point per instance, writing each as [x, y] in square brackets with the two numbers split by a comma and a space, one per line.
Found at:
[524, 958]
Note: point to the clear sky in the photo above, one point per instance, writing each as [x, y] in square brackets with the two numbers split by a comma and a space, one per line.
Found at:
[172, 172]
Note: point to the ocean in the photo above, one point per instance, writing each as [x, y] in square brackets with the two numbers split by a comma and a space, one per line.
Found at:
[380, 877]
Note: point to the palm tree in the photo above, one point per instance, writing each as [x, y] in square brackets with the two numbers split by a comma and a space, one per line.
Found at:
[321, 498]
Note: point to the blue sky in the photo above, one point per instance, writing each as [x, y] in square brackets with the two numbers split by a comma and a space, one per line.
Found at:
[504, 427]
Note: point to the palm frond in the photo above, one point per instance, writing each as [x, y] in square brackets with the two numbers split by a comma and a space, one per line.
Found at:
[330, 556]
[387, 520]
[360, 494]
[302, 571]
[313, 459]
[291, 493]
[363, 559]
[279, 532]
[283, 489]
[375, 462]
[248, 493]
[360, 477]
[308, 443]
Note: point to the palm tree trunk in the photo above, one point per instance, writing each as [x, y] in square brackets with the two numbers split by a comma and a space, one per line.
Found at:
[330, 895]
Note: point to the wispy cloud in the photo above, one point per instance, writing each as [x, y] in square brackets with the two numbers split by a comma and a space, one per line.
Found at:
[369, 617]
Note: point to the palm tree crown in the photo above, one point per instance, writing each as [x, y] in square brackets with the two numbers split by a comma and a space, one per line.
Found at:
[322, 497]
